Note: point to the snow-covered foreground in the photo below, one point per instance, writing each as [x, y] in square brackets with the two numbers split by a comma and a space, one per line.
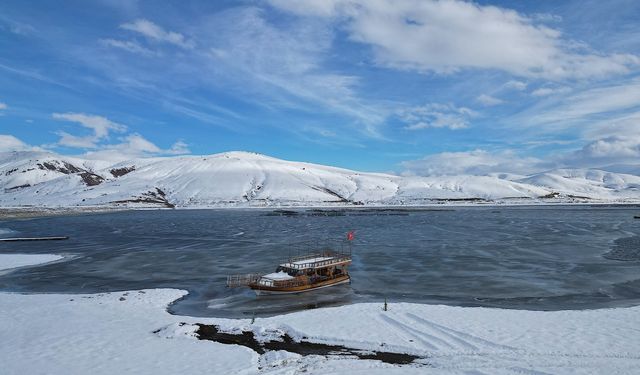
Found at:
[242, 179]
[9, 261]
[131, 332]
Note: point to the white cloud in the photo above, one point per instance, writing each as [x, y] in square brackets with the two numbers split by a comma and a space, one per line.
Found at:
[627, 124]
[11, 143]
[435, 115]
[488, 100]
[515, 85]
[607, 151]
[284, 65]
[127, 45]
[444, 36]
[138, 144]
[100, 126]
[70, 140]
[615, 140]
[129, 146]
[476, 162]
[179, 148]
[547, 91]
[3, 106]
[546, 17]
[157, 33]
[584, 106]
[135, 146]
[324, 8]
[614, 153]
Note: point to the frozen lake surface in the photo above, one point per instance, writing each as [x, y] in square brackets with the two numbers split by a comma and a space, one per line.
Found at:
[534, 258]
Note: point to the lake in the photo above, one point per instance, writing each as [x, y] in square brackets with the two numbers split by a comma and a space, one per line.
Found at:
[535, 258]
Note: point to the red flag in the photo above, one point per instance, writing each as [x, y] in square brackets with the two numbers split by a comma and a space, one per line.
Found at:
[350, 236]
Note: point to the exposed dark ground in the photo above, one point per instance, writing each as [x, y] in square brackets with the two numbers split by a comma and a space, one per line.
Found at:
[302, 347]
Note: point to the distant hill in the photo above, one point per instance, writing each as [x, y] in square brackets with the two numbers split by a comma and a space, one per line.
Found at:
[242, 179]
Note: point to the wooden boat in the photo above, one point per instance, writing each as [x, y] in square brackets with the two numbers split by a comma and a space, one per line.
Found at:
[299, 274]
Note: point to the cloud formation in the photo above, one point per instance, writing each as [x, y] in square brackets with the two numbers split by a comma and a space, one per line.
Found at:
[583, 106]
[336, 74]
[129, 146]
[547, 91]
[11, 143]
[135, 146]
[488, 100]
[100, 126]
[156, 33]
[436, 115]
[284, 65]
[515, 85]
[475, 162]
[128, 45]
[603, 152]
[613, 153]
[446, 36]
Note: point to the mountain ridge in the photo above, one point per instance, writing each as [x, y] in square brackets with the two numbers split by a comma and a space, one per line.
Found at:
[245, 179]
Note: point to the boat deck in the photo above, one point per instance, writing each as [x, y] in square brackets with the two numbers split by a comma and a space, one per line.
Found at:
[295, 275]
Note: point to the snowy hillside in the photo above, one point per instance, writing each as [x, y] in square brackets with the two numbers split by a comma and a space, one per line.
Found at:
[241, 179]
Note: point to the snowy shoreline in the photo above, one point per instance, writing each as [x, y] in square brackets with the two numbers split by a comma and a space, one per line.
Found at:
[125, 332]
[132, 332]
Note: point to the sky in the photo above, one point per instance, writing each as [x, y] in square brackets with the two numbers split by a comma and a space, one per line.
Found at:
[410, 87]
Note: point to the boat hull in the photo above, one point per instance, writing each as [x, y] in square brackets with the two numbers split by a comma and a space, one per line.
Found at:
[264, 290]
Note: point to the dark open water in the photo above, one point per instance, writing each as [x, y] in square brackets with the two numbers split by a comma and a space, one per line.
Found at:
[539, 258]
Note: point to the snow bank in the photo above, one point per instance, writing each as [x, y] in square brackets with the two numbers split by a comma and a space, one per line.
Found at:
[131, 332]
[8, 261]
[106, 334]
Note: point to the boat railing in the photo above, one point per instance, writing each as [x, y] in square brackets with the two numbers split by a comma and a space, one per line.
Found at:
[340, 259]
[310, 249]
[321, 254]
[242, 280]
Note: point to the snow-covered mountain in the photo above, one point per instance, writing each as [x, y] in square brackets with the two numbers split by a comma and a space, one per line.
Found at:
[241, 179]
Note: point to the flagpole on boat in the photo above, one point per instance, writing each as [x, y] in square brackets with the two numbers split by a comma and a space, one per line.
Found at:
[350, 237]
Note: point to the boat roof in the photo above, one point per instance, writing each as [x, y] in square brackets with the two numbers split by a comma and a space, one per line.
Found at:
[278, 276]
[317, 261]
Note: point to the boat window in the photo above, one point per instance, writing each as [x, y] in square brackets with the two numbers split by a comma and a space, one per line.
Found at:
[293, 272]
[289, 271]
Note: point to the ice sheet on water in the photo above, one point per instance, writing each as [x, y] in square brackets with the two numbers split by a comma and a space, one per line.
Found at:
[625, 249]
[7, 231]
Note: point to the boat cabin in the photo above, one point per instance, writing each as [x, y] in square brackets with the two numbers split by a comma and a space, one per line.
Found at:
[299, 274]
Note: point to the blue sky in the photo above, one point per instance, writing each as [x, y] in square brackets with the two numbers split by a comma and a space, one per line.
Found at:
[415, 87]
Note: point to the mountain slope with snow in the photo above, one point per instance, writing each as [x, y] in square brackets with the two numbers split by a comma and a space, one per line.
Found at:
[241, 179]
